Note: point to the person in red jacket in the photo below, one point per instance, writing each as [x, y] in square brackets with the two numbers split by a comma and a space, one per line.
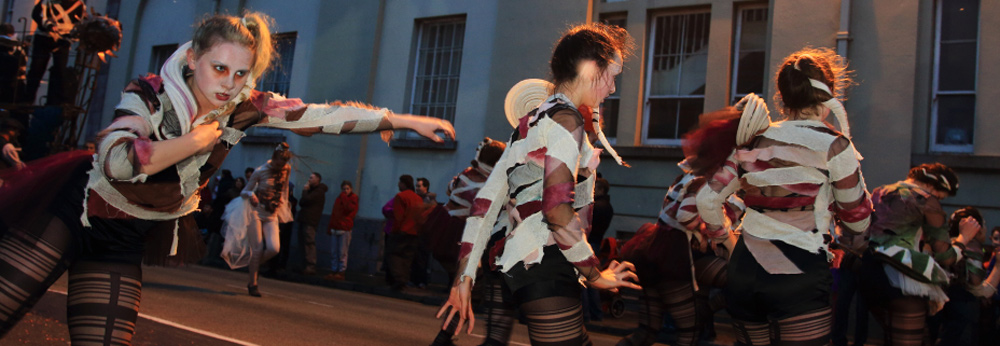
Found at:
[406, 208]
[339, 229]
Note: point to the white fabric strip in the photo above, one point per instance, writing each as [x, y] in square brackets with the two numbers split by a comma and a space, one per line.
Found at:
[762, 226]
[845, 162]
[795, 131]
[848, 195]
[785, 176]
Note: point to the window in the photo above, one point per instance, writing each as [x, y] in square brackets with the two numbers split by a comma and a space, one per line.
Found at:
[278, 78]
[677, 62]
[160, 55]
[610, 108]
[749, 51]
[955, 67]
[438, 62]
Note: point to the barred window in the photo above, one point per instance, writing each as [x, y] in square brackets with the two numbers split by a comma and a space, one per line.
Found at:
[438, 62]
[676, 65]
[955, 68]
[279, 78]
[749, 53]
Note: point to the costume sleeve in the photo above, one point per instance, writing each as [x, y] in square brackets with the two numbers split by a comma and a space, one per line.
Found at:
[483, 214]
[852, 202]
[561, 157]
[251, 185]
[125, 145]
[335, 118]
[712, 196]
[285, 209]
[687, 209]
[935, 230]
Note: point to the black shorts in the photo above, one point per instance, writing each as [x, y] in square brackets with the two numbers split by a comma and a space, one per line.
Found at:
[553, 277]
[754, 295]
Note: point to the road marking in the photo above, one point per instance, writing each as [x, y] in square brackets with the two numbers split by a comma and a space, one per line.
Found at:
[181, 326]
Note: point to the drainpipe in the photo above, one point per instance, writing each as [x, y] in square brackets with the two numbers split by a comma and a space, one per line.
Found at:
[844, 35]
[590, 11]
[370, 93]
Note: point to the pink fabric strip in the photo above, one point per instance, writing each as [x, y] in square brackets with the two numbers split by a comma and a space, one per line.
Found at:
[538, 156]
[143, 149]
[465, 250]
[858, 213]
[557, 194]
[277, 108]
[480, 206]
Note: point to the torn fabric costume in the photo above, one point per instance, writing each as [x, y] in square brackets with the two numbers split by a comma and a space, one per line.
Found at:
[902, 213]
[546, 167]
[797, 176]
[107, 206]
[155, 108]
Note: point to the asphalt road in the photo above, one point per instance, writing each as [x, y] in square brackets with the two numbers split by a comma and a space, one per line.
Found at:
[208, 306]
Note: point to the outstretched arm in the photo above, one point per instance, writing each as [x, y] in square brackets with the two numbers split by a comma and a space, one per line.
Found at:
[342, 117]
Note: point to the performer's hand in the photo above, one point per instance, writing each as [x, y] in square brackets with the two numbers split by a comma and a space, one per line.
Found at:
[968, 228]
[205, 136]
[425, 126]
[253, 200]
[460, 301]
[617, 275]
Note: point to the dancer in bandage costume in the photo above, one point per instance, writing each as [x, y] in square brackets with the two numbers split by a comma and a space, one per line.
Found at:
[902, 284]
[169, 136]
[796, 176]
[545, 180]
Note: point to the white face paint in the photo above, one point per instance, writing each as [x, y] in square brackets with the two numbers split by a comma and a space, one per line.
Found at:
[219, 74]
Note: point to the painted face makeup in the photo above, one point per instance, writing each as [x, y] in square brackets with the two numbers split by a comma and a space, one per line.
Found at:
[219, 74]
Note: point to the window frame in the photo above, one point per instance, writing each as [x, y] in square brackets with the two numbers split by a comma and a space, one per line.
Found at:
[155, 55]
[935, 81]
[734, 56]
[278, 66]
[648, 76]
[269, 134]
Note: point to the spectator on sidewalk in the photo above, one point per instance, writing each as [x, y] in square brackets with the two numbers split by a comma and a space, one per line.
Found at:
[421, 261]
[345, 208]
[310, 210]
[406, 208]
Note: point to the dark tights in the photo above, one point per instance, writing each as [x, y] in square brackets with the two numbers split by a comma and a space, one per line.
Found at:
[673, 297]
[807, 329]
[103, 301]
[903, 320]
[555, 321]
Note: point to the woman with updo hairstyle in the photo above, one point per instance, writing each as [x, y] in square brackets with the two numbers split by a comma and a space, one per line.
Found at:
[545, 182]
[169, 135]
[902, 283]
[795, 176]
